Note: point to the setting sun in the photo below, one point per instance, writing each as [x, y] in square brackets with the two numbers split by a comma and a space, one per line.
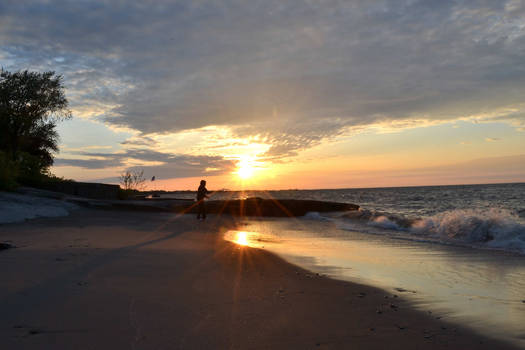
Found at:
[245, 170]
[247, 166]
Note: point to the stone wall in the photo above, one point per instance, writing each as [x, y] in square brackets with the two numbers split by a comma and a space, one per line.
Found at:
[85, 189]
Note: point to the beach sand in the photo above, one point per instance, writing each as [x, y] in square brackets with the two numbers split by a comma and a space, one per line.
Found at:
[130, 280]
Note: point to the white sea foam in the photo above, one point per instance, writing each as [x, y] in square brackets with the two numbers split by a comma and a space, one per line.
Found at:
[383, 221]
[313, 215]
[493, 228]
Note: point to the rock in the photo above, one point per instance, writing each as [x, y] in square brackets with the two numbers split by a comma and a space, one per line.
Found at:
[267, 207]
[5, 245]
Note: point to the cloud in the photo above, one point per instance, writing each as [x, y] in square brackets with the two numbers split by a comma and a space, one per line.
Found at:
[162, 165]
[139, 141]
[108, 162]
[492, 139]
[295, 72]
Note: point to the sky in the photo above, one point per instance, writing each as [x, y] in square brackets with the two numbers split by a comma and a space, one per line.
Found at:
[281, 94]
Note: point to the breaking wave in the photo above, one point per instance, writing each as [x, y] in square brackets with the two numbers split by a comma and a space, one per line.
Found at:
[492, 228]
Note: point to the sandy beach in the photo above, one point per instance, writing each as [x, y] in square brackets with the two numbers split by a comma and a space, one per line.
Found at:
[114, 279]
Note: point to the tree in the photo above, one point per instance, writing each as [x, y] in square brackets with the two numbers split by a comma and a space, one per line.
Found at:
[133, 180]
[31, 103]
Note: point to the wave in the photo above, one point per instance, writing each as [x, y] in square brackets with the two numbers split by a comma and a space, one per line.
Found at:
[380, 219]
[492, 228]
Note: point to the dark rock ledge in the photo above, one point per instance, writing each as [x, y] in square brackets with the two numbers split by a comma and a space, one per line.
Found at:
[239, 207]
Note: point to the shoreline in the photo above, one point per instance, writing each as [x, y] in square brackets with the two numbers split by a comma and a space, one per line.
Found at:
[457, 283]
[164, 280]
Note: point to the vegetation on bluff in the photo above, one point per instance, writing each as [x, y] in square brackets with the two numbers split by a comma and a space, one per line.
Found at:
[31, 105]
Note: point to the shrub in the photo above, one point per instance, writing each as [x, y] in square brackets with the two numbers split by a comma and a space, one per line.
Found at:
[126, 194]
[8, 172]
[133, 180]
[30, 170]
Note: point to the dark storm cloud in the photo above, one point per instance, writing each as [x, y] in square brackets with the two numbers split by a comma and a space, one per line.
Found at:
[170, 165]
[298, 70]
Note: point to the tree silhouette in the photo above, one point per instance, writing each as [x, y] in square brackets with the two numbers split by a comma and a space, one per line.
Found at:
[133, 180]
[31, 103]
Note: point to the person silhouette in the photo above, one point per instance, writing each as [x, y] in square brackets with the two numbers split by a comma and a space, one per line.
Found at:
[202, 193]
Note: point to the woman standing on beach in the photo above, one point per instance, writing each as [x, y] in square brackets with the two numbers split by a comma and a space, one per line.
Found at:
[202, 193]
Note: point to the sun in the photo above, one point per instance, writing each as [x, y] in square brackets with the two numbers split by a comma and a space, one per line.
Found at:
[245, 168]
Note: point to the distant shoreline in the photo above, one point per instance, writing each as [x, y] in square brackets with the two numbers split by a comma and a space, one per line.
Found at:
[338, 188]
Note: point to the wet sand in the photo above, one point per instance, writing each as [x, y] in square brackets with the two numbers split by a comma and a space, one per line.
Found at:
[112, 280]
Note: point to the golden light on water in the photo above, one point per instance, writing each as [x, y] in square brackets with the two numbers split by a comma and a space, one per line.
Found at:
[251, 238]
[241, 238]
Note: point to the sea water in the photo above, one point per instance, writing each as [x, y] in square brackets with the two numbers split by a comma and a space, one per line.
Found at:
[457, 252]
[478, 216]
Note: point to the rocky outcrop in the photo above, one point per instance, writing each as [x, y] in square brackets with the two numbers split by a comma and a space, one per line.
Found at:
[274, 207]
[239, 207]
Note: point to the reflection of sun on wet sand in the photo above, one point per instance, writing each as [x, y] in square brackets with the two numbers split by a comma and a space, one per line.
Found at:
[113, 280]
[251, 239]
[241, 238]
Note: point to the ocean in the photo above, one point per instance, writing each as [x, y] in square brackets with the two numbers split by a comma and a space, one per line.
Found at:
[479, 216]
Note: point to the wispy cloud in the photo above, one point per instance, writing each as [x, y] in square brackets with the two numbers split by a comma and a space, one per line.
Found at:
[163, 165]
[492, 139]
